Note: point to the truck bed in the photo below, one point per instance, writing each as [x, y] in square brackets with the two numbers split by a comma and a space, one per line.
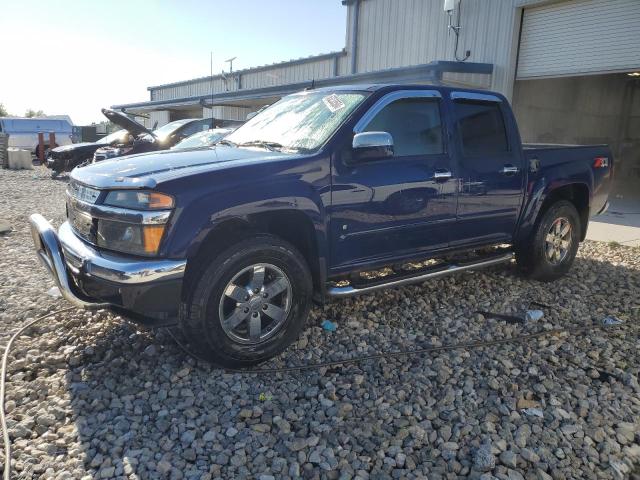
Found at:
[577, 162]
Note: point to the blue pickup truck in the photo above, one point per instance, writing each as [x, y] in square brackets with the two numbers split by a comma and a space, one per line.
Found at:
[302, 203]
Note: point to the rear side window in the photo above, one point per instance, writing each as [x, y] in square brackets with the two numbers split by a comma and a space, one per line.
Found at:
[414, 124]
[482, 127]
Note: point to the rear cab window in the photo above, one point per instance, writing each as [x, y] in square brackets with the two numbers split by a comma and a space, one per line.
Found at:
[482, 127]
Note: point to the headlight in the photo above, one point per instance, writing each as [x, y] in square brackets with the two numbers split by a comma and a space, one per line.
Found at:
[139, 200]
[129, 237]
[137, 223]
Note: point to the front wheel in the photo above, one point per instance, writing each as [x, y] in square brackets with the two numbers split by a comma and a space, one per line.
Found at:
[249, 303]
[552, 249]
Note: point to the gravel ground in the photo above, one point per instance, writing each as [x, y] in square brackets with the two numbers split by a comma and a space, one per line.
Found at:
[93, 396]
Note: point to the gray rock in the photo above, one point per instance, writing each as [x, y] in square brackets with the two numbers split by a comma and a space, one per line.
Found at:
[483, 459]
[163, 467]
[529, 455]
[509, 459]
[150, 351]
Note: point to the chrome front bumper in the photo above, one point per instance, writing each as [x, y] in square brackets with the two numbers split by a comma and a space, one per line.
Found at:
[65, 256]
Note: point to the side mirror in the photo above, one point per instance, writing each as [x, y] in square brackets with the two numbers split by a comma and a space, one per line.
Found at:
[372, 146]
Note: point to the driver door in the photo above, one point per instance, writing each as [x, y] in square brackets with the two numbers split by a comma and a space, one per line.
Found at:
[399, 206]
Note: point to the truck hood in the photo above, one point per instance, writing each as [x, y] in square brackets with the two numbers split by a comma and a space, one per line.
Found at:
[146, 170]
[120, 119]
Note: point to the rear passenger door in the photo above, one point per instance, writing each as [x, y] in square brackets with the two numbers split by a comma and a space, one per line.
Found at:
[491, 170]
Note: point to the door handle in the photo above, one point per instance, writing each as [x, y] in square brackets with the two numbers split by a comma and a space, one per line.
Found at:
[441, 175]
[509, 169]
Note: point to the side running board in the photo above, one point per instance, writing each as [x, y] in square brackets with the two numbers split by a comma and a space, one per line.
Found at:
[350, 290]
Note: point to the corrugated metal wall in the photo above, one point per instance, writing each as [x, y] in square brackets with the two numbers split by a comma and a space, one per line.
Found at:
[279, 74]
[193, 89]
[580, 37]
[160, 116]
[289, 74]
[394, 33]
[227, 113]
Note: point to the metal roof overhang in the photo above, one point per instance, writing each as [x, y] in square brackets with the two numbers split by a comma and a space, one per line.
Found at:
[430, 72]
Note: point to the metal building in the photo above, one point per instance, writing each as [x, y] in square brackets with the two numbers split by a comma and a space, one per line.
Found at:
[571, 67]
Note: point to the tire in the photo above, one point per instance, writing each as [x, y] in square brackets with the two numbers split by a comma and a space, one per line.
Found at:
[549, 254]
[223, 328]
[54, 174]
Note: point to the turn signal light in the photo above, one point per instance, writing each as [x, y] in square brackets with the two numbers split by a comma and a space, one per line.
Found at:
[152, 237]
[160, 201]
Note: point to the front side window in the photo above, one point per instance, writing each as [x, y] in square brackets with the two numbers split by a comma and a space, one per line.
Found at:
[301, 122]
[482, 127]
[414, 123]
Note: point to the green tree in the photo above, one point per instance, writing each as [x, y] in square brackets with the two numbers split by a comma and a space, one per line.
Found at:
[3, 111]
[30, 113]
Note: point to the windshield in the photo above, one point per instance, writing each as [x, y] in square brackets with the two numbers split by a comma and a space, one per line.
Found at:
[202, 139]
[301, 122]
[117, 136]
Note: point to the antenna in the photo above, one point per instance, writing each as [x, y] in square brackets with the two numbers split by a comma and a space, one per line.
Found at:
[230, 62]
[449, 7]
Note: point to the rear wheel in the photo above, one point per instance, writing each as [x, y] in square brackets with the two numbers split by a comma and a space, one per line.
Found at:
[248, 303]
[552, 248]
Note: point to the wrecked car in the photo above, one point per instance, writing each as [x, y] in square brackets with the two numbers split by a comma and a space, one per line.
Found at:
[146, 140]
[68, 157]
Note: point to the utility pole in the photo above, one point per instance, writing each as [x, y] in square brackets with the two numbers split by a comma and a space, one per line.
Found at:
[230, 62]
[211, 85]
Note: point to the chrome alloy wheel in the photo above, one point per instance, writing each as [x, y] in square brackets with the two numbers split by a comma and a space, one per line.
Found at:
[255, 303]
[558, 241]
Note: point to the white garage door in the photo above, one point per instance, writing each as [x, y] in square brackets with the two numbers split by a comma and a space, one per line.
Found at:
[580, 37]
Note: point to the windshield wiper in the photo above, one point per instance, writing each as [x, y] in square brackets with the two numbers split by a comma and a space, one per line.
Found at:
[226, 142]
[273, 146]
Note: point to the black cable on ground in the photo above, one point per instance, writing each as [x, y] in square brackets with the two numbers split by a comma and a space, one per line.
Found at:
[3, 379]
[400, 353]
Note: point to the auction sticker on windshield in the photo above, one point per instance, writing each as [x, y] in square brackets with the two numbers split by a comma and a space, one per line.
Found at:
[333, 102]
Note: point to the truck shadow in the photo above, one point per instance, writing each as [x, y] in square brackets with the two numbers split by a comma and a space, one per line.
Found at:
[142, 406]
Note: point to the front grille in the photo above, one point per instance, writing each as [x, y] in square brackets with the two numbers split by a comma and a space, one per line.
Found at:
[81, 221]
[83, 193]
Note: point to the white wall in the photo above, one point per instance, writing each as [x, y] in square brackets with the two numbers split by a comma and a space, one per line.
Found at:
[160, 116]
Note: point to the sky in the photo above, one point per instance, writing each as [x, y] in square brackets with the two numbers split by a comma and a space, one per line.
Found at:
[74, 57]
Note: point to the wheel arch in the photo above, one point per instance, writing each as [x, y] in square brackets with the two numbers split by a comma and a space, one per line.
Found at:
[291, 225]
[578, 195]
[541, 199]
